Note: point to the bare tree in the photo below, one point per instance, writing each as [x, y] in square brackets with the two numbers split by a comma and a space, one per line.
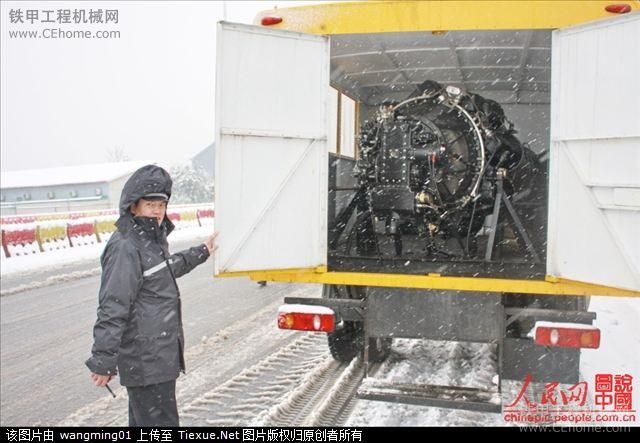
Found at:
[117, 154]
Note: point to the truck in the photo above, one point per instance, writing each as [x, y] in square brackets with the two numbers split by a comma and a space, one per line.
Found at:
[447, 170]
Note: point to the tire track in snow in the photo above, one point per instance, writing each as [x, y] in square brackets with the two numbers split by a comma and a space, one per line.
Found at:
[299, 404]
[339, 402]
[243, 398]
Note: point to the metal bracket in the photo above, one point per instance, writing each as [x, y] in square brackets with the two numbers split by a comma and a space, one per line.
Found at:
[453, 397]
[494, 220]
[501, 198]
[521, 230]
[343, 218]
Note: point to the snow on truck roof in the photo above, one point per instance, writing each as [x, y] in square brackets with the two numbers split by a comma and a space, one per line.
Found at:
[66, 175]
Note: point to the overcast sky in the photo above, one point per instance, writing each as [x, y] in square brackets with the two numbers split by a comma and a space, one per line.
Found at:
[149, 93]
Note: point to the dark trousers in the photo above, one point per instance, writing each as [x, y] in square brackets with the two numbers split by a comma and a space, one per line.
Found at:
[153, 405]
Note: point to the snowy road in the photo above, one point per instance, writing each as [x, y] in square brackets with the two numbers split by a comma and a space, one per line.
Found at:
[46, 336]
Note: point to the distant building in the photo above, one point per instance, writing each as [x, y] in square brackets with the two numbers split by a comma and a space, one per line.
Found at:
[63, 189]
[205, 159]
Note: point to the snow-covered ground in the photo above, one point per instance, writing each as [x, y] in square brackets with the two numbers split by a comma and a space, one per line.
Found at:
[26, 272]
[619, 352]
[432, 362]
[61, 258]
[57, 258]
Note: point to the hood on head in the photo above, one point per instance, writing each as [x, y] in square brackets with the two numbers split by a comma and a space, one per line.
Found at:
[149, 179]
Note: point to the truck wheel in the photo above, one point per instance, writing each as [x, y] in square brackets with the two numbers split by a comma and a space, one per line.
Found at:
[348, 342]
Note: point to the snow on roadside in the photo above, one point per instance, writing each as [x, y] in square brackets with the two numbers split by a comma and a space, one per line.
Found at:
[618, 319]
[197, 233]
[58, 258]
[61, 258]
[54, 279]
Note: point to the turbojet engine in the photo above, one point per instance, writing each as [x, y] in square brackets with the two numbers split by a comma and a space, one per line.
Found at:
[430, 171]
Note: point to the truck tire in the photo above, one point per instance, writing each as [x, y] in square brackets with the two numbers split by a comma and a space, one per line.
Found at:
[348, 342]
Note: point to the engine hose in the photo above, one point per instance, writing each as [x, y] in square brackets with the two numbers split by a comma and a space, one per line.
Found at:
[474, 190]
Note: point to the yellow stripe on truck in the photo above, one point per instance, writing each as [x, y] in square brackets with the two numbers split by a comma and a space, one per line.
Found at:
[408, 16]
[549, 286]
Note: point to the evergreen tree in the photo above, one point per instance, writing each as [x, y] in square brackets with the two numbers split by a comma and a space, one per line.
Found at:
[191, 185]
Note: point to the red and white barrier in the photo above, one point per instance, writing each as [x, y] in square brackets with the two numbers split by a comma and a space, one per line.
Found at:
[80, 234]
[23, 235]
[19, 242]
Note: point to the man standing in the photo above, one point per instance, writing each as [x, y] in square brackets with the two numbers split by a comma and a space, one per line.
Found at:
[138, 333]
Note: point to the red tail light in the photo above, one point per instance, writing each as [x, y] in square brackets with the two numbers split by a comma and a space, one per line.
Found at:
[566, 335]
[306, 318]
[270, 20]
[618, 9]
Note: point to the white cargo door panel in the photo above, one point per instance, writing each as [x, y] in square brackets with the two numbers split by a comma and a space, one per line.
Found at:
[271, 148]
[594, 184]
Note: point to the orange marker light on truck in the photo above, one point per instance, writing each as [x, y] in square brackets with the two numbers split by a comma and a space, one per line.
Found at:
[618, 9]
[567, 336]
[306, 318]
[270, 20]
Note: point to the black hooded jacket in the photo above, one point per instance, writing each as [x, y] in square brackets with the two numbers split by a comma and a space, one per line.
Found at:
[138, 333]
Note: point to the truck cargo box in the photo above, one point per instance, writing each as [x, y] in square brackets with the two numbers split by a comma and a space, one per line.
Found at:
[275, 198]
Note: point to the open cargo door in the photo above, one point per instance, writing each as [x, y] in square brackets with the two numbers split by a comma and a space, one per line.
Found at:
[594, 188]
[272, 89]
